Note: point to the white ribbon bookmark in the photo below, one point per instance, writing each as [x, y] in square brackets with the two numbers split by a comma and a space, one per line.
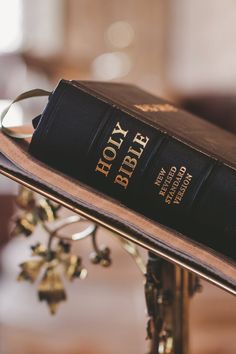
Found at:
[21, 97]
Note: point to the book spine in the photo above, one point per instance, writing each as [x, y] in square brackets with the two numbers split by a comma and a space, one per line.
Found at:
[139, 165]
[165, 180]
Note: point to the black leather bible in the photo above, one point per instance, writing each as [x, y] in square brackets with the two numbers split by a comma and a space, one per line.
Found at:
[176, 192]
[146, 153]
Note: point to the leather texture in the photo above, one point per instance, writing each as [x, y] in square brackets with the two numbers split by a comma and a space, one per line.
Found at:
[18, 164]
[73, 136]
[184, 126]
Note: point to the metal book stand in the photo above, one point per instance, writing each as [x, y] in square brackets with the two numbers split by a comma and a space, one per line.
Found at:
[168, 288]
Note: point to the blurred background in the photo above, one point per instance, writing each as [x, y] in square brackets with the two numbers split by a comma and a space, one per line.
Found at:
[183, 50]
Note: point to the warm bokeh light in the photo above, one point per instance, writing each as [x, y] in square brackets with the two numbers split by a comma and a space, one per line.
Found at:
[110, 66]
[120, 34]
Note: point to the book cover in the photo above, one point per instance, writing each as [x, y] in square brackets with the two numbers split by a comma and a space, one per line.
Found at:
[151, 156]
